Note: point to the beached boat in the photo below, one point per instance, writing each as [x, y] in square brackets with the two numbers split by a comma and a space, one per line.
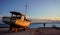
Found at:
[17, 20]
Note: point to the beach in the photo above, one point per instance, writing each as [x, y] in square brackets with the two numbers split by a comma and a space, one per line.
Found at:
[31, 31]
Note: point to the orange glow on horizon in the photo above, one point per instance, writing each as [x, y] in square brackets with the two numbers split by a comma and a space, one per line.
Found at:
[50, 18]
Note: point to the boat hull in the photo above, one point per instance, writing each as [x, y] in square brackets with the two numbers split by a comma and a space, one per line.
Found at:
[15, 23]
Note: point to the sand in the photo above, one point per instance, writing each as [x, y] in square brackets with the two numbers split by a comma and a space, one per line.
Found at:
[31, 31]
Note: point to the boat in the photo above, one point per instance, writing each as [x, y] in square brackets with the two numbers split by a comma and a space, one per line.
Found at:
[16, 20]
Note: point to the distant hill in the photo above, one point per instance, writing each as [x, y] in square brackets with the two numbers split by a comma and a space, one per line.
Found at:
[45, 20]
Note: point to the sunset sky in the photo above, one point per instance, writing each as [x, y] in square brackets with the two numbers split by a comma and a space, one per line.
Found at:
[36, 8]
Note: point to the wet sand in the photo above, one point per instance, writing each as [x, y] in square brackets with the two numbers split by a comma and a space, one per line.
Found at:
[31, 31]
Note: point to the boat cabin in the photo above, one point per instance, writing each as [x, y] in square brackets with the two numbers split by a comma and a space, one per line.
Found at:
[16, 14]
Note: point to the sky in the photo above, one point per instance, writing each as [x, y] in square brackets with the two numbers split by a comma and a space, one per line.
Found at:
[36, 8]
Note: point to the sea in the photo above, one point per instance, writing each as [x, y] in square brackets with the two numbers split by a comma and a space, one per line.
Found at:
[35, 25]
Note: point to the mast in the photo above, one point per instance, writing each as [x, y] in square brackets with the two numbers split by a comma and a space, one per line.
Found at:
[26, 6]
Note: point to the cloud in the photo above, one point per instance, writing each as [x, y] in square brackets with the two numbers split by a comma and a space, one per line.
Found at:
[48, 18]
[1, 19]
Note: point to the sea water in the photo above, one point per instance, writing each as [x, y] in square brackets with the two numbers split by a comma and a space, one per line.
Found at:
[35, 25]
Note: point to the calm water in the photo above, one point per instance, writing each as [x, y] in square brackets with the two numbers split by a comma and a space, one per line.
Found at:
[36, 25]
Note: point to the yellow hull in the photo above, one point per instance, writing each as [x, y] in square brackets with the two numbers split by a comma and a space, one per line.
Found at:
[22, 23]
